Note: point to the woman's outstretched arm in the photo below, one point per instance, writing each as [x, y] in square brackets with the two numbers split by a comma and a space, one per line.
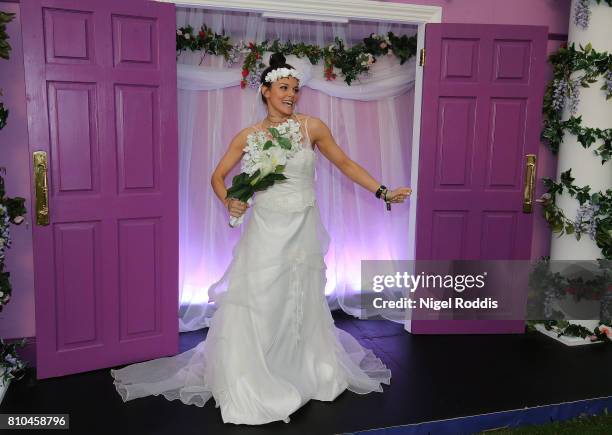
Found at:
[321, 135]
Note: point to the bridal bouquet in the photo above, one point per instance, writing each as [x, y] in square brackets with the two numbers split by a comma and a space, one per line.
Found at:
[263, 162]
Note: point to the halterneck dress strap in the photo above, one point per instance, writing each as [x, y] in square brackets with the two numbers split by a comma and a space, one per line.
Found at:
[307, 135]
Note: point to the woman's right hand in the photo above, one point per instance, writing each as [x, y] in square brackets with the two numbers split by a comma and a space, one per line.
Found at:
[236, 207]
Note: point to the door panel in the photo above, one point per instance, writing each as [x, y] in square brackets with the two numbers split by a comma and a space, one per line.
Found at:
[101, 93]
[481, 115]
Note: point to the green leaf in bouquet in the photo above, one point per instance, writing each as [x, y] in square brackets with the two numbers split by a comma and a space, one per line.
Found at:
[268, 145]
[263, 184]
[279, 169]
[274, 132]
[232, 190]
[254, 175]
[240, 178]
[284, 142]
[243, 192]
[268, 181]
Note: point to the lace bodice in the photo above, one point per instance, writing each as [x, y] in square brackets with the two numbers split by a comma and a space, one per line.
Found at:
[297, 191]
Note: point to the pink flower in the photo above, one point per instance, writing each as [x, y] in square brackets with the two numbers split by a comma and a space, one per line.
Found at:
[383, 45]
[606, 330]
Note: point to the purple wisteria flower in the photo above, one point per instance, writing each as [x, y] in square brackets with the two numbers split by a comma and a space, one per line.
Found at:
[608, 83]
[582, 13]
[565, 92]
[585, 219]
[253, 79]
[573, 96]
[235, 53]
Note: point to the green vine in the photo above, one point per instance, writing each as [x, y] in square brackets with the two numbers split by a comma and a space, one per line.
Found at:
[337, 58]
[574, 69]
[547, 286]
[564, 90]
[595, 207]
[5, 50]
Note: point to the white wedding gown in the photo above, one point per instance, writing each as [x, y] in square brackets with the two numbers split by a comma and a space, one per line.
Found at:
[272, 344]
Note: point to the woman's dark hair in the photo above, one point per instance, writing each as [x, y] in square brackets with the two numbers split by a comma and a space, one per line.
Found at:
[277, 60]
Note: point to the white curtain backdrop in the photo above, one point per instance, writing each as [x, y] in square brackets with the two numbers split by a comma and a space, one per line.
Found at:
[370, 120]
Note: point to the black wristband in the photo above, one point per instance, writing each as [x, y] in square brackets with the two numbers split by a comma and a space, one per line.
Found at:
[380, 190]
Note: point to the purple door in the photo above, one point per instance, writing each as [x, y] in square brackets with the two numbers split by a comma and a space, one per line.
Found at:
[481, 119]
[101, 101]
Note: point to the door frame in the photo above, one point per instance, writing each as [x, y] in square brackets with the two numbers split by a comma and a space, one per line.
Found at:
[341, 11]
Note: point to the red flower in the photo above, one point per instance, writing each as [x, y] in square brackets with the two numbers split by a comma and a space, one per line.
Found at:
[243, 84]
[202, 34]
[245, 72]
[251, 45]
[257, 55]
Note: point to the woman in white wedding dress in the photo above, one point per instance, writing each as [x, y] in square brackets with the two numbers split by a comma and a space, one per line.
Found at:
[272, 344]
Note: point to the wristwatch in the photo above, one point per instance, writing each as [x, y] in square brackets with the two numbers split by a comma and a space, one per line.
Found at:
[380, 190]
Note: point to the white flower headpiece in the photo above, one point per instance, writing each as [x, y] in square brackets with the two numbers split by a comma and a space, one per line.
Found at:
[279, 73]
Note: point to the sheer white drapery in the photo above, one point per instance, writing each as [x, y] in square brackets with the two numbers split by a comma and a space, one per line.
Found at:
[370, 120]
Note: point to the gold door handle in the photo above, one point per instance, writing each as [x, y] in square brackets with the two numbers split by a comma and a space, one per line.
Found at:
[530, 171]
[42, 188]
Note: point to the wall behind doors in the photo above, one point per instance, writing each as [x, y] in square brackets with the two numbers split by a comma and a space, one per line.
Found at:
[17, 320]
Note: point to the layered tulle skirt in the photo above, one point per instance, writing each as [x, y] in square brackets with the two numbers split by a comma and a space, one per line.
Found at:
[272, 344]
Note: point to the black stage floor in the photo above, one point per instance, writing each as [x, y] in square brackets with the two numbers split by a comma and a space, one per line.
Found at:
[434, 377]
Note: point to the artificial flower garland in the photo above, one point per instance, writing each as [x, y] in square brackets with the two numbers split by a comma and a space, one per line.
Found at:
[582, 12]
[551, 286]
[337, 59]
[5, 49]
[594, 215]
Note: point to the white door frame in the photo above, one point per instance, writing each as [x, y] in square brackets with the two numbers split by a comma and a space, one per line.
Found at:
[342, 11]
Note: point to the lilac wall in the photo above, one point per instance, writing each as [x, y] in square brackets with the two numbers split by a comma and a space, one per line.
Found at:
[17, 320]
[551, 13]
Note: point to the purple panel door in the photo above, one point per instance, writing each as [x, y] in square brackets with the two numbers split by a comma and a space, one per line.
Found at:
[101, 101]
[481, 116]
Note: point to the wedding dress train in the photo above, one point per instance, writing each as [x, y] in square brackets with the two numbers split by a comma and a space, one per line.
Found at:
[272, 344]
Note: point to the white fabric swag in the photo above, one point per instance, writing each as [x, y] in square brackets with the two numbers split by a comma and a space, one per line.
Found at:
[386, 78]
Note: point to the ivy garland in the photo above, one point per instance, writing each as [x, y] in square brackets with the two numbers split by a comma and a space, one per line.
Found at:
[554, 286]
[564, 90]
[594, 216]
[5, 50]
[350, 62]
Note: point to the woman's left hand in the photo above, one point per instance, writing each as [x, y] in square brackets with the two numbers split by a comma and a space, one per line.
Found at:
[398, 195]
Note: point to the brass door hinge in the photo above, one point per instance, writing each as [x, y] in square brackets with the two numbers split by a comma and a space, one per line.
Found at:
[422, 57]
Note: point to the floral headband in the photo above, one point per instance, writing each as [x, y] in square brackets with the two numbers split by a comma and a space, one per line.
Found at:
[279, 73]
